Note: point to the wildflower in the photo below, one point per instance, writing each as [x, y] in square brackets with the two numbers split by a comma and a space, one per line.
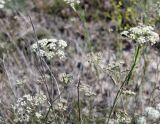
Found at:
[96, 60]
[86, 89]
[66, 78]
[62, 43]
[49, 48]
[128, 92]
[28, 97]
[20, 82]
[72, 3]
[141, 120]
[26, 105]
[156, 8]
[142, 34]
[61, 105]
[39, 98]
[151, 113]
[38, 115]
[2, 3]
[60, 53]
[123, 117]
[158, 107]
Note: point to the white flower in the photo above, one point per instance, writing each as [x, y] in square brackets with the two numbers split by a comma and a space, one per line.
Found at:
[141, 40]
[72, 3]
[125, 33]
[52, 46]
[42, 43]
[38, 115]
[60, 54]
[19, 100]
[1, 6]
[132, 36]
[52, 40]
[26, 106]
[28, 97]
[128, 92]
[141, 120]
[2, 3]
[142, 34]
[41, 53]
[62, 43]
[158, 107]
[151, 113]
[20, 110]
[25, 117]
[61, 105]
[49, 48]
[87, 90]
[40, 98]
[23, 103]
[136, 30]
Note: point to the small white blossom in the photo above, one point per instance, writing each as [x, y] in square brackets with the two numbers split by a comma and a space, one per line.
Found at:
[128, 93]
[72, 3]
[87, 90]
[123, 117]
[49, 48]
[27, 105]
[61, 105]
[23, 103]
[40, 98]
[125, 33]
[141, 120]
[60, 54]
[2, 3]
[158, 107]
[141, 40]
[151, 113]
[142, 34]
[62, 43]
[136, 30]
[38, 115]
[28, 97]
[24, 118]
[19, 100]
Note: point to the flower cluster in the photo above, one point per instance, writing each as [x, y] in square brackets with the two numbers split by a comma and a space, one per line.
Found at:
[97, 60]
[128, 93]
[66, 78]
[2, 3]
[49, 48]
[72, 3]
[142, 34]
[149, 114]
[26, 107]
[61, 105]
[123, 117]
[141, 120]
[157, 8]
[87, 90]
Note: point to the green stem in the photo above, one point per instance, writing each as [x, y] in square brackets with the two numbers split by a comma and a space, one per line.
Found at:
[125, 82]
[81, 15]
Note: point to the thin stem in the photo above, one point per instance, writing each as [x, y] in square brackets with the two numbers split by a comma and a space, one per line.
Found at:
[125, 82]
[85, 31]
[79, 109]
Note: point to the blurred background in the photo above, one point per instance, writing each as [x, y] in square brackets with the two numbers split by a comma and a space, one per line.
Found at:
[96, 31]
